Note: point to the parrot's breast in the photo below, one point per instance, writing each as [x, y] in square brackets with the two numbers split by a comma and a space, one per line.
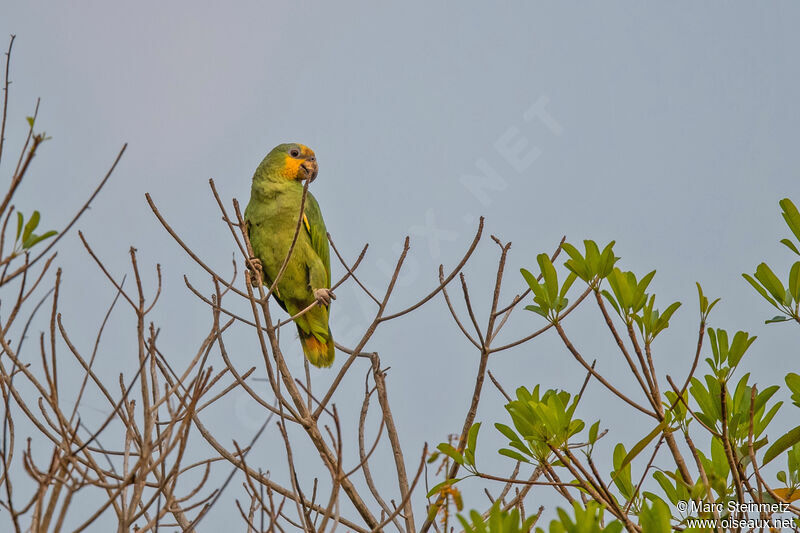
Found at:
[273, 216]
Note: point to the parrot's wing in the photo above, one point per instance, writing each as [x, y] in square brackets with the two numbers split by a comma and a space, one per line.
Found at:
[268, 282]
[315, 227]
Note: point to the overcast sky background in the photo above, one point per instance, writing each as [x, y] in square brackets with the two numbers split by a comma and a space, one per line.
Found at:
[671, 129]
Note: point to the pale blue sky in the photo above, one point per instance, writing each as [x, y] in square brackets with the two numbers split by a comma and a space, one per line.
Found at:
[671, 129]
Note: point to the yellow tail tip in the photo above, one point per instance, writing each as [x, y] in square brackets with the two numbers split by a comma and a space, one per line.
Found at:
[318, 353]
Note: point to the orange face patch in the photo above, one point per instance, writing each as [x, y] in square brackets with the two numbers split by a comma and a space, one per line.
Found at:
[291, 165]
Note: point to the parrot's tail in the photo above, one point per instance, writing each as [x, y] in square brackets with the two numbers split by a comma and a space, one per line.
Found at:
[319, 353]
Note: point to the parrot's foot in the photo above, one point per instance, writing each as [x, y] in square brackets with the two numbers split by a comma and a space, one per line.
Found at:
[324, 296]
[255, 272]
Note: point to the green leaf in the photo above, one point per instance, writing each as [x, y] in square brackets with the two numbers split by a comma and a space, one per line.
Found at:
[550, 276]
[30, 121]
[536, 309]
[507, 432]
[20, 220]
[571, 251]
[612, 301]
[621, 285]
[719, 347]
[790, 245]
[567, 284]
[533, 283]
[741, 342]
[776, 319]
[642, 444]
[451, 452]
[783, 443]
[793, 382]
[576, 263]
[641, 287]
[33, 239]
[529, 278]
[666, 486]
[465, 524]
[794, 281]
[593, 432]
[770, 281]
[761, 290]
[469, 459]
[791, 216]
[30, 226]
[472, 437]
[656, 518]
[762, 425]
[607, 261]
[707, 399]
[705, 307]
[441, 485]
[621, 476]
[513, 455]
[667, 314]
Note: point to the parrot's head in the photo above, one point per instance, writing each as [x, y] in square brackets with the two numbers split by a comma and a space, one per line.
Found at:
[291, 161]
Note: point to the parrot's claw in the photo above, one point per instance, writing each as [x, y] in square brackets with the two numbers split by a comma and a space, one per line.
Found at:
[324, 296]
[255, 270]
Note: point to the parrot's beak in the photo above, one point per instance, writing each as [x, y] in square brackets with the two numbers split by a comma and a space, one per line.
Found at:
[311, 169]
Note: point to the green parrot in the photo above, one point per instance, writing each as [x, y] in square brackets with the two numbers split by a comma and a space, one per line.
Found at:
[271, 217]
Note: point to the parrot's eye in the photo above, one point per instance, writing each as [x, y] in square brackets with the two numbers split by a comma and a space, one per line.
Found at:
[294, 152]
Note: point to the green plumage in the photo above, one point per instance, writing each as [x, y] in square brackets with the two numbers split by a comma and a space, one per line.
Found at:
[272, 216]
